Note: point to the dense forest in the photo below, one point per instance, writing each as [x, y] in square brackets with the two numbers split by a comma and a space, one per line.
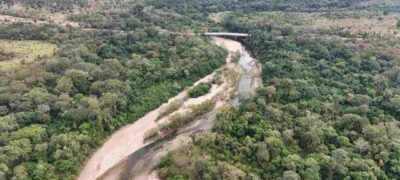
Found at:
[197, 8]
[55, 112]
[137, 16]
[328, 108]
[328, 111]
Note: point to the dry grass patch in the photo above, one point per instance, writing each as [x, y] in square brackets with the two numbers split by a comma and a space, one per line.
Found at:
[367, 23]
[280, 18]
[24, 52]
[219, 16]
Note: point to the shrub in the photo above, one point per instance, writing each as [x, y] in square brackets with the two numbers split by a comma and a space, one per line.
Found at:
[152, 133]
[199, 90]
[236, 57]
[5, 56]
[170, 108]
[178, 120]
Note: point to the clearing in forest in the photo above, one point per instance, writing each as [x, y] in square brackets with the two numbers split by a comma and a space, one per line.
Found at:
[15, 53]
[369, 22]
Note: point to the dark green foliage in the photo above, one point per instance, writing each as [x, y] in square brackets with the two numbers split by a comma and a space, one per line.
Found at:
[21, 31]
[199, 9]
[134, 16]
[108, 20]
[56, 112]
[199, 90]
[327, 111]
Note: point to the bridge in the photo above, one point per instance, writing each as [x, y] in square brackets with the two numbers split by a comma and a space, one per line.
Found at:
[222, 34]
[227, 34]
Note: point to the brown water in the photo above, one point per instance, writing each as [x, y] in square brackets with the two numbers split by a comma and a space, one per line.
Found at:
[139, 165]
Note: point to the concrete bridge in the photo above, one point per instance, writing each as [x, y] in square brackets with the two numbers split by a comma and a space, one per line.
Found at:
[227, 34]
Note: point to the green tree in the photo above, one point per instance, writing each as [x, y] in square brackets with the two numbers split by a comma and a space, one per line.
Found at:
[65, 84]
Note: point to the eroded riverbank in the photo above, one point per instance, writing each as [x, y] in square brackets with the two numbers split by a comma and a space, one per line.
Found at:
[139, 165]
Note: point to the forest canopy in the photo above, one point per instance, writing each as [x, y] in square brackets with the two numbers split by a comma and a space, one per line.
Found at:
[328, 108]
[54, 113]
[327, 111]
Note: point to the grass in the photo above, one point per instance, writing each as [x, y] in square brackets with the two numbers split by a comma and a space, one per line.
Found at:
[219, 17]
[24, 52]
[279, 18]
[363, 22]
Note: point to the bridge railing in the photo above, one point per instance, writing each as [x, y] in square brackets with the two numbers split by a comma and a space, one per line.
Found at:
[227, 34]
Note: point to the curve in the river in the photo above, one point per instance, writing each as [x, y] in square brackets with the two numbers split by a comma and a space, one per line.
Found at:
[129, 138]
[139, 165]
[126, 140]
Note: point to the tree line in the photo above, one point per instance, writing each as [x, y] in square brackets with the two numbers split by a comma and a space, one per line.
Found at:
[328, 110]
[55, 112]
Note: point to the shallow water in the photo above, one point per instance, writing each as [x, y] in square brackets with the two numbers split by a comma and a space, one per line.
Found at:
[246, 62]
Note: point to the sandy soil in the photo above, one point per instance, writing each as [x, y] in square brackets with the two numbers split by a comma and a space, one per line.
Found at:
[125, 141]
[130, 137]
[230, 45]
[143, 170]
[145, 159]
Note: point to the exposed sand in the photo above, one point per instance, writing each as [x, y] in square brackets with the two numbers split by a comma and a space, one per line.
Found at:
[143, 170]
[130, 137]
[125, 141]
[230, 45]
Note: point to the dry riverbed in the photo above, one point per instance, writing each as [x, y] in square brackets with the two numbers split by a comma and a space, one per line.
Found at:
[126, 152]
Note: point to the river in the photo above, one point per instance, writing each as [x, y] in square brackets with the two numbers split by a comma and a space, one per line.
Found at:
[125, 155]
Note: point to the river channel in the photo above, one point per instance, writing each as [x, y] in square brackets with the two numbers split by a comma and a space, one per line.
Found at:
[144, 156]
